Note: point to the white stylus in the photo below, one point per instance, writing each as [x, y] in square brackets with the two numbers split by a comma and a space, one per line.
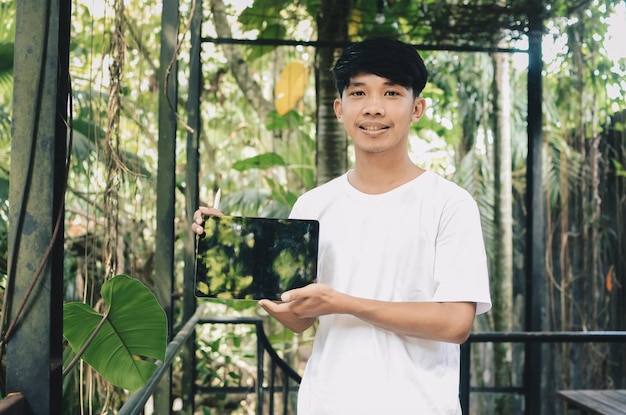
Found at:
[218, 196]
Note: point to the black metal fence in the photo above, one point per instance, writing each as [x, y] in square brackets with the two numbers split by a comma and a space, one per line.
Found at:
[273, 377]
[532, 374]
[269, 383]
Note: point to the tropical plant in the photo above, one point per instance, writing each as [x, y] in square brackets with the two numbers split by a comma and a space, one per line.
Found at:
[7, 32]
[127, 341]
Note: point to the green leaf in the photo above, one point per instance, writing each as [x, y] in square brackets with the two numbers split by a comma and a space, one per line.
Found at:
[262, 161]
[281, 194]
[273, 31]
[133, 338]
[6, 67]
[6, 56]
[275, 121]
[252, 17]
[4, 187]
[619, 169]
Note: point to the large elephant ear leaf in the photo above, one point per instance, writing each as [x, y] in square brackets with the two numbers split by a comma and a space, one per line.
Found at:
[133, 338]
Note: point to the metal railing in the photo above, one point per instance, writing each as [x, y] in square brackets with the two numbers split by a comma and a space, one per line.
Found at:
[264, 385]
[276, 362]
[532, 374]
[136, 402]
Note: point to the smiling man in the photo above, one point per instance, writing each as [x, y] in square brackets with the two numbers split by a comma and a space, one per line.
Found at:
[402, 267]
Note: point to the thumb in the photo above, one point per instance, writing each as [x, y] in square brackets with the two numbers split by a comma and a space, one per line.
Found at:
[267, 305]
[299, 293]
[288, 296]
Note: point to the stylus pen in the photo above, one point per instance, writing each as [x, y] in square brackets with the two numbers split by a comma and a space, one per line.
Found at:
[218, 196]
[216, 205]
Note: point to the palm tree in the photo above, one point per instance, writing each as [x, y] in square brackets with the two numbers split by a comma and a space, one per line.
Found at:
[332, 26]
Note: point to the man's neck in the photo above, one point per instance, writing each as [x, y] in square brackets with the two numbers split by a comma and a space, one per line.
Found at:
[376, 177]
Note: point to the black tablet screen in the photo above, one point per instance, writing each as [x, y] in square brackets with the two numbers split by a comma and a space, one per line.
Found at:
[252, 258]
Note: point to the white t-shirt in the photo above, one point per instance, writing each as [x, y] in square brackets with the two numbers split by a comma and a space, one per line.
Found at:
[421, 241]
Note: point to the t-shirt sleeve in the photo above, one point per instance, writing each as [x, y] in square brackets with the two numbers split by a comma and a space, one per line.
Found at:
[296, 211]
[460, 269]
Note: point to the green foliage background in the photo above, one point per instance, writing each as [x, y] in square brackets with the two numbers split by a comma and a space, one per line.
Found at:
[262, 163]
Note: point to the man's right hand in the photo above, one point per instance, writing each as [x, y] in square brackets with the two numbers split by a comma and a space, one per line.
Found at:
[282, 312]
[197, 225]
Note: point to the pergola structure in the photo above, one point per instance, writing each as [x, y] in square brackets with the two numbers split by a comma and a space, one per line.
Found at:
[38, 164]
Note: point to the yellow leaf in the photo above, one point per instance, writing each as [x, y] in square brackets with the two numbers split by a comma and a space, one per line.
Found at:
[355, 24]
[202, 287]
[290, 87]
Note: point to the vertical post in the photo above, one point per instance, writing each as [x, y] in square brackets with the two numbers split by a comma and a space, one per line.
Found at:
[38, 166]
[260, 365]
[465, 381]
[192, 202]
[166, 183]
[535, 311]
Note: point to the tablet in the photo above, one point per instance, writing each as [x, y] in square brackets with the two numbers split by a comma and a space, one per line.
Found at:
[250, 258]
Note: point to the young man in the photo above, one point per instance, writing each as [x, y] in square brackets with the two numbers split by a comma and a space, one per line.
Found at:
[402, 266]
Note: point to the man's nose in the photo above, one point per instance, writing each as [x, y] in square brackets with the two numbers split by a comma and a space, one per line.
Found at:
[374, 106]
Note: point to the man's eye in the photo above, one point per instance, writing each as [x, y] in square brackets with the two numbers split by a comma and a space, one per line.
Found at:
[357, 93]
[393, 93]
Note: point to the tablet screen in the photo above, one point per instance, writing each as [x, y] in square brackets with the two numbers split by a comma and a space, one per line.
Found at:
[253, 258]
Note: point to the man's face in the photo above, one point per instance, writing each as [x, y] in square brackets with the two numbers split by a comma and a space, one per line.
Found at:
[377, 113]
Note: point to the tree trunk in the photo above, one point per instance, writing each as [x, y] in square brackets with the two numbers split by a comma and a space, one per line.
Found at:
[331, 154]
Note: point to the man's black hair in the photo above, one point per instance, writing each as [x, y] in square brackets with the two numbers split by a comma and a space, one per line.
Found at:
[387, 58]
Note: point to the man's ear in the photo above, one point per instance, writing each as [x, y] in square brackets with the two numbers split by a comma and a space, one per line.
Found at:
[419, 108]
[338, 109]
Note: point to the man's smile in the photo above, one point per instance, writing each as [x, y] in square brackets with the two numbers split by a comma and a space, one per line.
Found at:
[373, 127]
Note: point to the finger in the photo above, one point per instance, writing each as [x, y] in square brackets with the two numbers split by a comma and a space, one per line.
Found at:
[201, 232]
[207, 211]
[197, 215]
[197, 229]
[299, 293]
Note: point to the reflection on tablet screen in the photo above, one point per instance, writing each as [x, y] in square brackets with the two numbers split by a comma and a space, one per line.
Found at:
[254, 258]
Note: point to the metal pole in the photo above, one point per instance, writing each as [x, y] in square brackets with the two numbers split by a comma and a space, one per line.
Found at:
[166, 182]
[34, 292]
[535, 226]
[464, 386]
[188, 353]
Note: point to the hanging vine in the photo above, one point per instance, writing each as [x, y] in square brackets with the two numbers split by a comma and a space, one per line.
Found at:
[114, 166]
